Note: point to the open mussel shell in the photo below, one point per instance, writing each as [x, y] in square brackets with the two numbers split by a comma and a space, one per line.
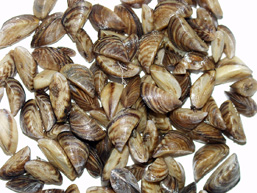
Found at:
[149, 187]
[201, 89]
[51, 58]
[157, 99]
[186, 119]
[176, 170]
[41, 8]
[14, 166]
[214, 116]
[118, 69]
[82, 99]
[84, 45]
[80, 76]
[174, 143]
[244, 105]
[111, 47]
[116, 160]
[43, 79]
[123, 181]
[43, 171]
[121, 126]
[225, 177]
[46, 110]
[157, 171]
[16, 95]
[49, 31]
[73, 188]
[165, 80]
[190, 41]
[190, 188]
[75, 17]
[9, 132]
[208, 157]
[166, 9]
[231, 70]
[25, 65]
[194, 62]
[130, 19]
[57, 157]
[234, 128]
[76, 150]
[17, 28]
[148, 47]
[99, 189]
[246, 87]
[131, 92]
[84, 126]
[205, 133]
[7, 68]
[110, 97]
[25, 183]
[60, 96]
[94, 165]
[30, 120]
[213, 6]
[103, 18]
[147, 19]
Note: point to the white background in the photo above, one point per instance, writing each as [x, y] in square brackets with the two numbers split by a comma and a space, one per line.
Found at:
[239, 16]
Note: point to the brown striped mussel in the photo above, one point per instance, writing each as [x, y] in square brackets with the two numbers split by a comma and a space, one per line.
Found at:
[42, 8]
[7, 68]
[246, 87]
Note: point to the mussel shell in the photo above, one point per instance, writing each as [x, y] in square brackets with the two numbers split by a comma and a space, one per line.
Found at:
[225, 177]
[94, 164]
[190, 188]
[166, 9]
[186, 119]
[76, 150]
[25, 183]
[158, 100]
[73, 188]
[14, 166]
[103, 18]
[157, 171]
[16, 95]
[123, 181]
[56, 129]
[43, 171]
[208, 157]
[244, 105]
[9, 132]
[57, 157]
[206, 133]
[150, 137]
[52, 190]
[116, 160]
[84, 45]
[84, 126]
[245, 87]
[100, 116]
[43, 79]
[75, 17]
[17, 28]
[131, 43]
[213, 6]
[147, 19]
[111, 47]
[49, 31]
[234, 128]
[30, 120]
[41, 8]
[130, 19]
[51, 58]
[137, 170]
[7, 68]
[25, 65]
[148, 47]
[214, 116]
[99, 189]
[80, 76]
[100, 80]
[121, 126]
[189, 41]
[174, 143]
[136, 3]
[217, 45]
[60, 97]
[104, 148]
[149, 187]
[116, 68]
[46, 110]
[169, 185]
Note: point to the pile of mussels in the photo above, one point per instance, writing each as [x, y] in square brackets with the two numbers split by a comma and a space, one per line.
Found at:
[129, 103]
